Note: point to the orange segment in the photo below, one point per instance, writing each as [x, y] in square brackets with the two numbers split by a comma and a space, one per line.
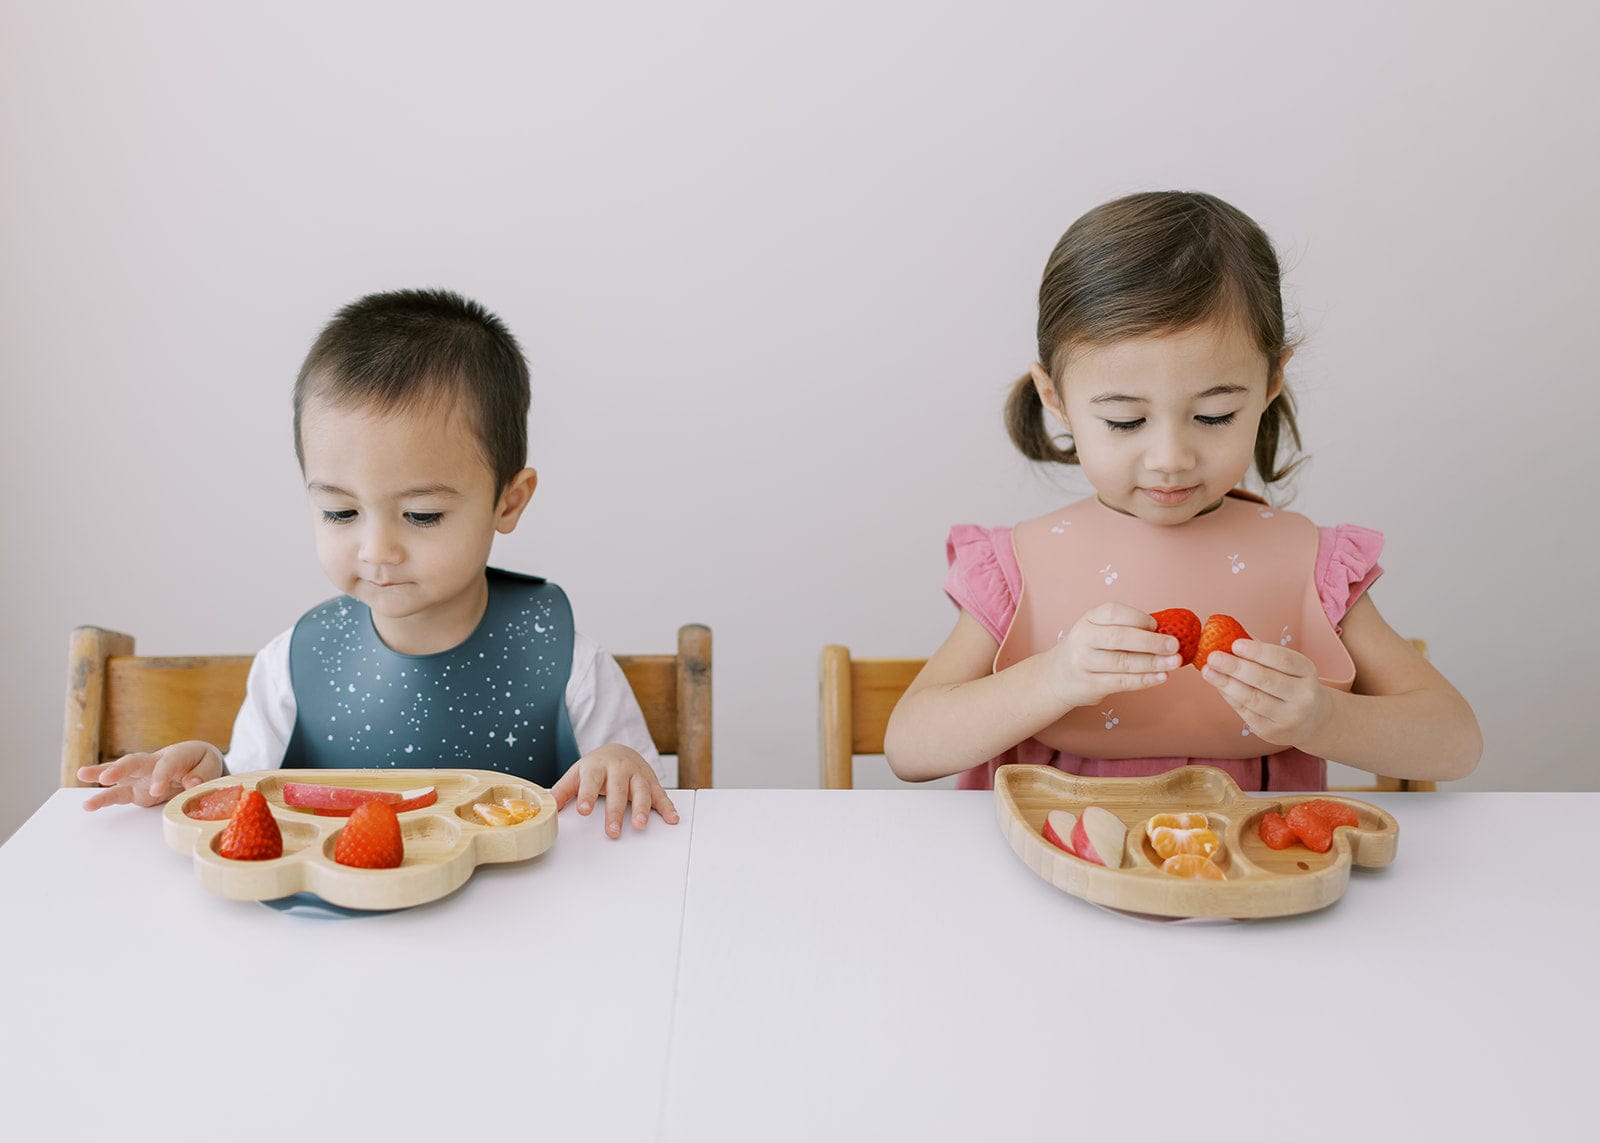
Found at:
[1190, 820]
[519, 809]
[491, 814]
[1192, 865]
[1171, 834]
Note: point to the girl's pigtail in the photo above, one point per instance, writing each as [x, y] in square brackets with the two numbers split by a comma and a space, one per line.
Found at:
[1025, 424]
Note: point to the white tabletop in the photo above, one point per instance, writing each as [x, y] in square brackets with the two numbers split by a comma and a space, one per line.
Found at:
[806, 965]
[536, 1000]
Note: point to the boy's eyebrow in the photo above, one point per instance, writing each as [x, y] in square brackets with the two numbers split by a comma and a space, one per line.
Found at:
[1223, 390]
[409, 494]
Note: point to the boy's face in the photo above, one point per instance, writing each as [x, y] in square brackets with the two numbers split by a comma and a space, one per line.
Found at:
[405, 513]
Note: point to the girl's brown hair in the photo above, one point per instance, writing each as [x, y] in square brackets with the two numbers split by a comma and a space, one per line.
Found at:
[1155, 263]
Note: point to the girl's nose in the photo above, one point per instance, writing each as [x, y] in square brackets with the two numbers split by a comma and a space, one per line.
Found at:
[1170, 451]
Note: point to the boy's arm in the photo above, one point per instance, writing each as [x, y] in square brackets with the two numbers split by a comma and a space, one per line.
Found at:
[602, 705]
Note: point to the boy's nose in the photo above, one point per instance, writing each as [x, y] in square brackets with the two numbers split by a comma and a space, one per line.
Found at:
[379, 546]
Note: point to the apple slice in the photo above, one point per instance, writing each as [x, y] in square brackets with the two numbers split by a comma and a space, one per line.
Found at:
[1058, 827]
[1100, 837]
[340, 801]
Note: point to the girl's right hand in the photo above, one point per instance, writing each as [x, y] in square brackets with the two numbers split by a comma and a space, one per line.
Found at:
[1113, 648]
[150, 779]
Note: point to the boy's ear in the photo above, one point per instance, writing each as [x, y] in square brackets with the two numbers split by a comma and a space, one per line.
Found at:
[1048, 396]
[518, 491]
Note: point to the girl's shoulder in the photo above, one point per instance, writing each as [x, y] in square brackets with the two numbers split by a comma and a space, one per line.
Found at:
[984, 578]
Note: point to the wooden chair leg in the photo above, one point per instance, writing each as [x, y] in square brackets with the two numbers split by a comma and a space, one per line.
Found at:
[694, 706]
[87, 652]
[833, 735]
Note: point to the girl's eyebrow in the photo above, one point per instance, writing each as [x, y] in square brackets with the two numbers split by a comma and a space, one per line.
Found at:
[1223, 390]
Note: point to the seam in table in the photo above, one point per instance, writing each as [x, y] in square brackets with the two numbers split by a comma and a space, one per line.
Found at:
[677, 976]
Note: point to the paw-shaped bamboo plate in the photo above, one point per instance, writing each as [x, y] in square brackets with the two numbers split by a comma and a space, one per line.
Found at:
[444, 842]
[1260, 882]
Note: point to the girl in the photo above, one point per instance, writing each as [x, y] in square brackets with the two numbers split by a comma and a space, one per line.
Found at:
[1161, 358]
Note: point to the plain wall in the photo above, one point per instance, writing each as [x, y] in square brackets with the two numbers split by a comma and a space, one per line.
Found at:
[775, 266]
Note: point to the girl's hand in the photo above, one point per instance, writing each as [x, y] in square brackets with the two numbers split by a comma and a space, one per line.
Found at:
[150, 779]
[1275, 690]
[619, 774]
[1113, 648]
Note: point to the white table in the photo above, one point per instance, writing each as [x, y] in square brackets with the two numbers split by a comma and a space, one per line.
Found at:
[806, 965]
[533, 1003]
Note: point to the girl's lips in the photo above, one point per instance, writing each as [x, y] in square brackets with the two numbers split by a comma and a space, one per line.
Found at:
[1167, 497]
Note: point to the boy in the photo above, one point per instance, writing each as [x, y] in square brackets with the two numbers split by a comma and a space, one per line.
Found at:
[410, 418]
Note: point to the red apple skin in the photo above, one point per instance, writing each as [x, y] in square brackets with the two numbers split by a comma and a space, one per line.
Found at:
[1054, 838]
[1081, 844]
[320, 796]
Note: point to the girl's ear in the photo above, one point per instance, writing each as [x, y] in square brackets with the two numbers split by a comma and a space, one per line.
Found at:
[1275, 382]
[515, 497]
[1048, 397]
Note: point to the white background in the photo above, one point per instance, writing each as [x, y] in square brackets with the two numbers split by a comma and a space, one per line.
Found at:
[775, 266]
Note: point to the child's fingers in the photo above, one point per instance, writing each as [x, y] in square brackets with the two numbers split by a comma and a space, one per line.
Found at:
[113, 796]
[639, 800]
[564, 789]
[174, 763]
[1119, 615]
[663, 804]
[616, 798]
[124, 768]
[1274, 656]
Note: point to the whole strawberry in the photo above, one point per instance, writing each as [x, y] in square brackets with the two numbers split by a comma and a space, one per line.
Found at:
[252, 832]
[371, 839]
[1184, 626]
[1218, 635]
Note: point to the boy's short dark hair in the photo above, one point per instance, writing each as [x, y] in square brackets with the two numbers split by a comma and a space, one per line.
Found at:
[404, 348]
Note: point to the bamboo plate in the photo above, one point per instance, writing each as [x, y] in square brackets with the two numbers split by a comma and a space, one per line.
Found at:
[444, 842]
[1261, 882]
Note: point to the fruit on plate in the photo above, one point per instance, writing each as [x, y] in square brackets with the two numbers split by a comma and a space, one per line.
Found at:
[1310, 827]
[252, 833]
[1184, 626]
[1335, 814]
[1171, 834]
[1099, 836]
[1058, 827]
[371, 839]
[338, 801]
[1276, 833]
[1218, 635]
[510, 811]
[215, 805]
[1193, 865]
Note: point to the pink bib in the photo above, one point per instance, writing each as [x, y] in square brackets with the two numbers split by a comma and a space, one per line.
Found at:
[1242, 559]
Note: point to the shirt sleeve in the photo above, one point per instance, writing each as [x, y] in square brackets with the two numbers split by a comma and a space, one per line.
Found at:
[264, 723]
[1347, 565]
[984, 578]
[602, 706]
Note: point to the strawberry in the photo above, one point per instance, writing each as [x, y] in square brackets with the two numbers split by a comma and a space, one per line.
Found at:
[1184, 626]
[1219, 633]
[252, 833]
[371, 839]
[1334, 813]
[1310, 827]
[215, 805]
[1275, 832]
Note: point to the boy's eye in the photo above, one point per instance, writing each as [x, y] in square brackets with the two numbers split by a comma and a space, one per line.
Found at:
[1124, 426]
[424, 519]
[1223, 420]
[338, 515]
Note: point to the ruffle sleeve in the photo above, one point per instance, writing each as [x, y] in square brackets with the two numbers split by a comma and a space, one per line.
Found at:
[1347, 565]
[984, 578]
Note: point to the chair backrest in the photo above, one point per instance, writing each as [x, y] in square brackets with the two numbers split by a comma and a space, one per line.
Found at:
[119, 702]
[858, 695]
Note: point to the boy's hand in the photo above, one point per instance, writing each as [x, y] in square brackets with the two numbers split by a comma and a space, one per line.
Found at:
[1275, 690]
[1113, 648]
[619, 774]
[150, 779]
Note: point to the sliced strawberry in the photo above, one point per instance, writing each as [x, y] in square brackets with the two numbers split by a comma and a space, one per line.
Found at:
[1184, 626]
[371, 839]
[321, 796]
[1218, 635]
[1310, 827]
[215, 805]
[1276, 832]
[252, 833]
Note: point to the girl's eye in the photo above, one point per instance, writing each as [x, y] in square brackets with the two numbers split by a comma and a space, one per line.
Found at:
[424, 519]
[1223, 420]
[1124, 426]
[338, 515]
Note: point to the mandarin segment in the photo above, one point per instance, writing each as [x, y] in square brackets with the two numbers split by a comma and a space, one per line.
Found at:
[1334, 813]
[1275, 831]
[1194, 866]
[1310, 827]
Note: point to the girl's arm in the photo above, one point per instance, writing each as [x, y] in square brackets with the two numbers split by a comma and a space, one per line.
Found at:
[957, 714]
[1401, 718]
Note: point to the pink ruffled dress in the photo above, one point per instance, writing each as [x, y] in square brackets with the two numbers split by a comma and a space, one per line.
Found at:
[984, 579]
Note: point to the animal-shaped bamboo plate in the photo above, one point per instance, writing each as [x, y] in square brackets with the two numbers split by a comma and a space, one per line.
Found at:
[1260, 882]
[444, 842]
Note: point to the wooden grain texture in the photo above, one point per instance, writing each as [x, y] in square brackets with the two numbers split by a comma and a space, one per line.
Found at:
[119, 702]
[855, 700]
[1261, 882]
[444, 842]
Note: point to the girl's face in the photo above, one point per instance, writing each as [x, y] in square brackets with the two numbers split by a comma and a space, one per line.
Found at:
[405, 513]
[1165, 425]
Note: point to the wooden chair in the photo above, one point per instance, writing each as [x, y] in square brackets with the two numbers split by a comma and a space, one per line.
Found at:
[119, 702]
[859, 694]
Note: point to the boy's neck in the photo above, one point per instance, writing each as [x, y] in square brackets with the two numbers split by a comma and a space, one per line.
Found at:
[438, 628]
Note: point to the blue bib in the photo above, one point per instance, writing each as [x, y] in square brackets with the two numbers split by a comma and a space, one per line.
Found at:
[494, 702]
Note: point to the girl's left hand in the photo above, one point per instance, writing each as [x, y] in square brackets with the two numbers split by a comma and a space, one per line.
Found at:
[619, 774]
[1275, 690]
